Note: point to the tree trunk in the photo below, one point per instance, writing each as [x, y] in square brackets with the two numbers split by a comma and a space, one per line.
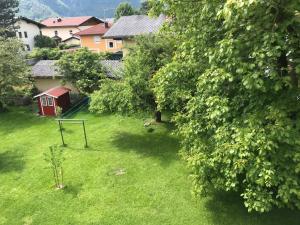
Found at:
[158, 116]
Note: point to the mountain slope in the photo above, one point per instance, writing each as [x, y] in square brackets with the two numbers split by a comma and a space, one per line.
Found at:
[40, 9]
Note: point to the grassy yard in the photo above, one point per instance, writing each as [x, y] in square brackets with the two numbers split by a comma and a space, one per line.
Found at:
[154, 190]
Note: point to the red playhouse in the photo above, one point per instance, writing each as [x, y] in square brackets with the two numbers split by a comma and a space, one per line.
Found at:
[49, 100]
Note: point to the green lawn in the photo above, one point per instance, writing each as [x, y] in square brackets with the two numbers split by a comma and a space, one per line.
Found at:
[155, 189]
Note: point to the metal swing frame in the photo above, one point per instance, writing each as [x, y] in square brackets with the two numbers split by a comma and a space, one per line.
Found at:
[72, 121]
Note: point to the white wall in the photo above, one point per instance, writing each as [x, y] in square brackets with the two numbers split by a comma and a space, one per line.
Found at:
[31, 29]
[62, 32]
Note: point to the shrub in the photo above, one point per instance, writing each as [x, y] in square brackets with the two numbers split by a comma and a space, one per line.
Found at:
[41, 41]
[114, 96]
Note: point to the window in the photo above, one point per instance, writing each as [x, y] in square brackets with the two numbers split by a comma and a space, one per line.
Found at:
[50, 101]
[97, 39]
[111, 44]
[27, 47]
[44, 101]
[56, 33]
[20, 34]
[25, 34]
[71, 32]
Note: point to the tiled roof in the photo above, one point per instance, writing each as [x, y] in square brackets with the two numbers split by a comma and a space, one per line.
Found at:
[31, 21]
[67, 21]
[48, 68]
[129, 26]
[99, 29]
[45, 69]
[55, 92]
[114, 68]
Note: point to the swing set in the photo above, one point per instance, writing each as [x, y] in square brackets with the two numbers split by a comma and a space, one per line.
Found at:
[72, 121]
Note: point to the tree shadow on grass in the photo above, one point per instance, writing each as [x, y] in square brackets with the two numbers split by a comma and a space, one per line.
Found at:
[228, 209]
[156, 145]
[11, 161]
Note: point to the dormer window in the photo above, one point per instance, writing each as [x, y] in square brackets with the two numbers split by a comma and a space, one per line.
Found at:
[71, 32]
[56, 33]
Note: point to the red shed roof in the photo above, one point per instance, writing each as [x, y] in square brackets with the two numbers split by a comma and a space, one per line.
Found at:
[55, 92]
[99, 29]
[68, 21]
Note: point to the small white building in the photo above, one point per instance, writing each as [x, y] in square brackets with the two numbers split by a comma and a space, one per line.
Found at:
[27, 29]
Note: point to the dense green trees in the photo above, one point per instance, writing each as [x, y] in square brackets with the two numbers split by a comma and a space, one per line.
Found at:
[14, 71]
[8, 10]
[233, 83]
[41, 41]
[82, 68]
[124, 9]
[134, 92]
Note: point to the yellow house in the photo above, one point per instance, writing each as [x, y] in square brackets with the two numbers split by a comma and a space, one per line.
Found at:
[128, 27]
[64, 28]
[92, 38]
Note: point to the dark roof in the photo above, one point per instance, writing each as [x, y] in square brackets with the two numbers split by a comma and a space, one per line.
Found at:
[130, 26]
[73, 37]
[48, 68]
[69, 21]
[45, 69]
[99, 29]
[114, 68]
[31, 21]
[55, 92]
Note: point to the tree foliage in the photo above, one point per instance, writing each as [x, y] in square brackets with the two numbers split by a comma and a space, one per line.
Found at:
[124, 9]
[41, 41]
[145, 7]
[46, 53]
[82, 68]
[8, 10]
[134, 92]
[14, 71]
[234, 85]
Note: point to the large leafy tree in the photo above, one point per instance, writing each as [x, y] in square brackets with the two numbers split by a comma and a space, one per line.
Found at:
[234, 85]
[145, 7]
[134, 91]
[14, 71]
[82, 68]
[124, 9]
[8, 10]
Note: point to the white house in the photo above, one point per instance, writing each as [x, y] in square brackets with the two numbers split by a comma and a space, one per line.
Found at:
[26, 30]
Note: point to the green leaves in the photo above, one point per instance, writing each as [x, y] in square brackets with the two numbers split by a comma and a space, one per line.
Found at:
[233, 82]
[14, 72]
[83, 68]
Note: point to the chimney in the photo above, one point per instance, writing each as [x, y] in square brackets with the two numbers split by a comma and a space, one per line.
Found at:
[58, 19]
[106, 24]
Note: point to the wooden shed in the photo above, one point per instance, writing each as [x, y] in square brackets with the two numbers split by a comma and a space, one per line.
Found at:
[49, 100]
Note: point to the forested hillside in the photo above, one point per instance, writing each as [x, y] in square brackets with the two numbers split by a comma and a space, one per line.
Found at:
[40, 9]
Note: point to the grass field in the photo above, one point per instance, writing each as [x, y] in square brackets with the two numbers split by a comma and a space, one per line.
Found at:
[155, 188]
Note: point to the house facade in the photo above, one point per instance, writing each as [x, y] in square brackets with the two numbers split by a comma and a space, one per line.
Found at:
[26, 30]
[92, 38]
[46, 76]
[65, 28]
[128, 27]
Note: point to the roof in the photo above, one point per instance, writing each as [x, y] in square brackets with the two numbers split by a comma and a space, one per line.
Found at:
[55, 92]
[73, 37]
[31, 21]
[130, 26]
[99, 29]
[68, 21]
[45, 69]
[48, 68]
[114, 68]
